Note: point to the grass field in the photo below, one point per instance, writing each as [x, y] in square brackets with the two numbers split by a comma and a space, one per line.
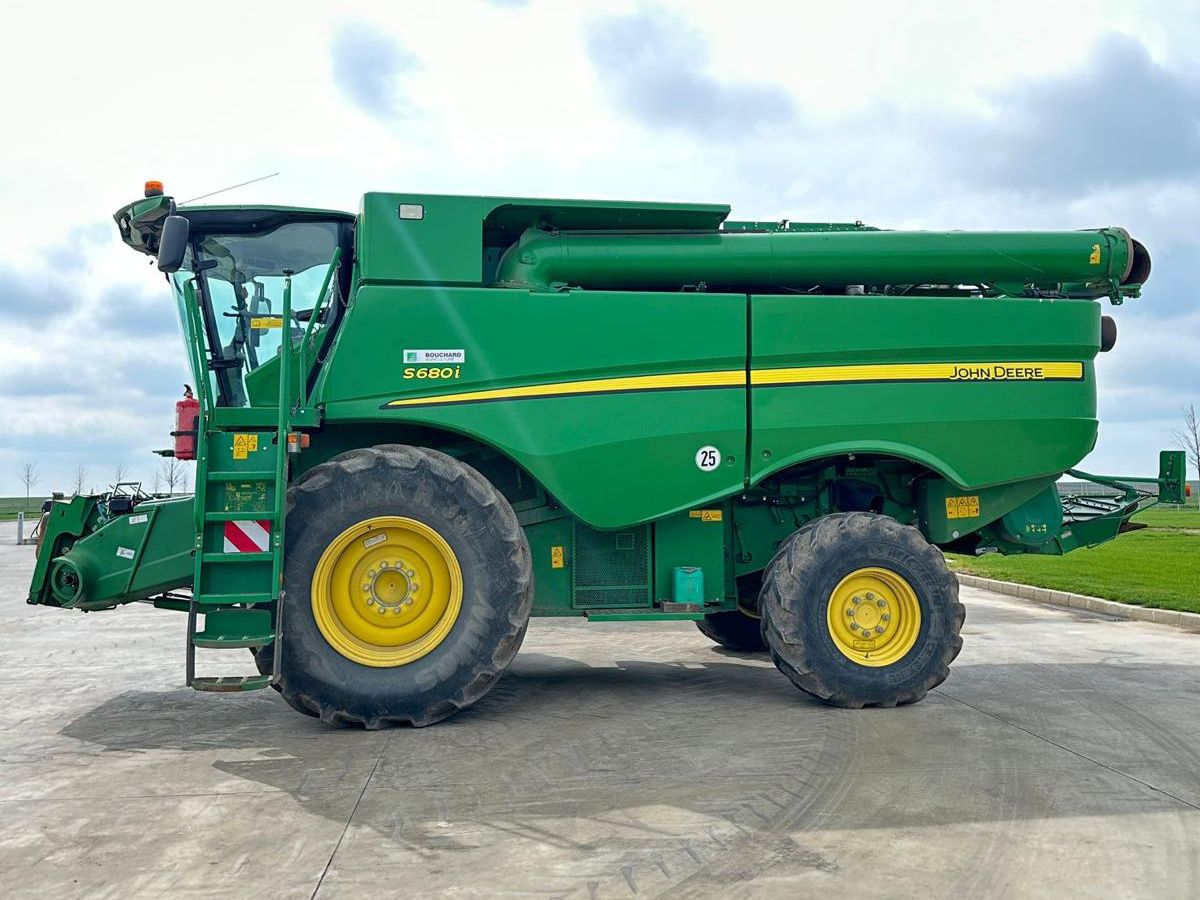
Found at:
[1170, 517]
[1158, 566]
[10, 506]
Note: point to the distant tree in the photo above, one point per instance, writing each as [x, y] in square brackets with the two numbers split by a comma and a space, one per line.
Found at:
[156, 482]
[171, 473]
[81, 476]
[29, 477]
[1189, 437]
[185, 475]
[118, 473]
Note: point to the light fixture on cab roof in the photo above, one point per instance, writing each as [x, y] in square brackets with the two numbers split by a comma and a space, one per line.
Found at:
[154, 188]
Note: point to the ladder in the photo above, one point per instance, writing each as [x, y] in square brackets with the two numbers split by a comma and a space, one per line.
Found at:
[241, 486]
[241, 492]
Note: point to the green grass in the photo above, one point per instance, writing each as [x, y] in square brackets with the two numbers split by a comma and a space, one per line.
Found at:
[1170, 517]
[1153, 567]
[10, 506]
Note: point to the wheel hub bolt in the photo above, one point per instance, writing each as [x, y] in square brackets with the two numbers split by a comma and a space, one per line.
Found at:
[879, 629]
[854, 626]
[883, 604]
[857, 600]
[870, 596]
[886, 617]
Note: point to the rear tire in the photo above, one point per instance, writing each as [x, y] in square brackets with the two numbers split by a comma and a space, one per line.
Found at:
[478, 564]
[739, 629]
[734, 630]
[859, 610]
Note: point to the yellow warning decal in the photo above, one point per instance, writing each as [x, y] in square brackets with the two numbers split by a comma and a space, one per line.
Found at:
[706, 515]
[266, 322]
[962, 507]
[1094, 258]
[556, 557]
[244, 444]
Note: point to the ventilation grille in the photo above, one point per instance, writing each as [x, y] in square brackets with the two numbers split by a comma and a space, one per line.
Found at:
[611, 568]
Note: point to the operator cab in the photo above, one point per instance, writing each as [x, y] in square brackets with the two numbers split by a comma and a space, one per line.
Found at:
[235, 260]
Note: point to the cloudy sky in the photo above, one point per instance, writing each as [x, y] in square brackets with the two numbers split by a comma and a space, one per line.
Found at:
[905, 115]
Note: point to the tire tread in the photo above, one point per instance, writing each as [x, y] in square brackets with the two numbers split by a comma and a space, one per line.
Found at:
[420, 466]
[800, 552]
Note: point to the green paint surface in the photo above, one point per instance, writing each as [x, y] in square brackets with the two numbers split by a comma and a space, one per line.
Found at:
[615, 367]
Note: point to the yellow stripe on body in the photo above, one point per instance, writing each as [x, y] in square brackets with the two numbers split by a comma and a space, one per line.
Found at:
[728, 378]
[899, 372]
[1004, 371]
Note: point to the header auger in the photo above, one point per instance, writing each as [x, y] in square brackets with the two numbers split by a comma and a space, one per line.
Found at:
[417, 426]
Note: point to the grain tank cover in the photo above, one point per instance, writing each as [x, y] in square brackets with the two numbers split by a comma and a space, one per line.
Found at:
[444, 239]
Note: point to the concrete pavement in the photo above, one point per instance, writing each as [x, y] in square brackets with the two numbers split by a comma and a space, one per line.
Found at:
[1061, 758]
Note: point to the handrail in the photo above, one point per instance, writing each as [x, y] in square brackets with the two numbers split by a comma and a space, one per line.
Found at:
[285, 357]
[196, 346]
[322, 297]
[282, 432]
[203, 394]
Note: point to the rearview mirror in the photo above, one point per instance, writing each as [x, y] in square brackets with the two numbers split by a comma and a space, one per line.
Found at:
[172, 243]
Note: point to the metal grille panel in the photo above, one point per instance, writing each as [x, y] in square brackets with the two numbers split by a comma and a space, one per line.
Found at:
[611, 568]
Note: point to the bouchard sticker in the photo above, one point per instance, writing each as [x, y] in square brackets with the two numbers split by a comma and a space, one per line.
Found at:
[442, 357]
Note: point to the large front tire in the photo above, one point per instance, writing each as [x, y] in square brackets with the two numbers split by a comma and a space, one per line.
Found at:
[408, 586]
[859, 610]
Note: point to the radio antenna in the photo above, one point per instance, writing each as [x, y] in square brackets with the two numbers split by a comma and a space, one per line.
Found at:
[230, 188]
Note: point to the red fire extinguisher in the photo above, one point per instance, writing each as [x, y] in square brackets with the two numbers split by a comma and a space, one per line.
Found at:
[187, 414]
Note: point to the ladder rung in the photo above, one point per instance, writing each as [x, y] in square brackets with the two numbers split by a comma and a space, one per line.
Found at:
[232, 599]
[229, 641]
[246, 475]
[239, 516]
[228, 683]
[264, 417]
[265, 556]
[235, 628]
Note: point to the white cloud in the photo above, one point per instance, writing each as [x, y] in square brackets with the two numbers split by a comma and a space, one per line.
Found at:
[503, 98]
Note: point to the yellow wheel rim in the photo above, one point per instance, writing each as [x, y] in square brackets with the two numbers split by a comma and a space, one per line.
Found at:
[387, 591]
[874, 617]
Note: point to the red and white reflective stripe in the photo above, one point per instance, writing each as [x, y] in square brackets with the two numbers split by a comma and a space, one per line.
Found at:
[247, 536]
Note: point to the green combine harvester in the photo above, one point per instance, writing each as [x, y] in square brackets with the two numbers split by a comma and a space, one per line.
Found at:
[416, 427]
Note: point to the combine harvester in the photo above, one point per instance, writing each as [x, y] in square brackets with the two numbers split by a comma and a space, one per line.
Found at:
[416, 427]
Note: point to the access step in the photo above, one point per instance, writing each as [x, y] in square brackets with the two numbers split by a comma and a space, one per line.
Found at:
[233, 599]
[226, 684]
[264, 417]
[242, 475]
[229, 628]
[239, 517]
[264, 556]
[640, 616]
